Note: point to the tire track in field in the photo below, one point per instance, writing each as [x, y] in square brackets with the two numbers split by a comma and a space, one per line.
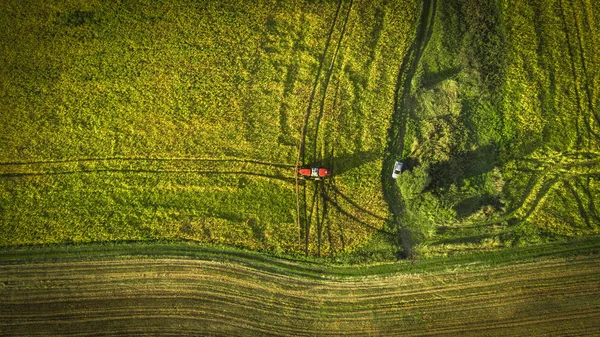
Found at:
[592, 28]
[316, 157]
[204, 166]
[349, 209]
[554, 169]
[304, 229]
[158, 159]
[126, 171]
[540, 190]
[579, 203]
[341, 229]
[576, 80]
[582, 60]
[327, 80]
[548, 172]
[318, 215]
[301, 144]
[336, 191]
[591, 204]
[592, 95]
[308, 219]
[536, 190]
[350, 216]
[400, 114]
[320, 221]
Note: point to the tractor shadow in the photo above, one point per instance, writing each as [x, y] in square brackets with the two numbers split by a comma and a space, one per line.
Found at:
[345, 162]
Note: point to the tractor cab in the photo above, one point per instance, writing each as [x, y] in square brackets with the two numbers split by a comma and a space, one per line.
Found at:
[313, 173]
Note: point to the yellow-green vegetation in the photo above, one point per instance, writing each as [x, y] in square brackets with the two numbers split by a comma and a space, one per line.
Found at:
[59, 291]
[183, 119]
[502, 131]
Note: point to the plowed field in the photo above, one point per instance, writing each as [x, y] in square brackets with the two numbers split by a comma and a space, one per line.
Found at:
[184, 296]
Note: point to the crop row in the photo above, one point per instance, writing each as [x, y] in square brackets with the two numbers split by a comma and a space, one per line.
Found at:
[152, 295]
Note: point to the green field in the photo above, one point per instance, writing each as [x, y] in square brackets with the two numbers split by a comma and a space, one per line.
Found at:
[501, 126]
[185, 120]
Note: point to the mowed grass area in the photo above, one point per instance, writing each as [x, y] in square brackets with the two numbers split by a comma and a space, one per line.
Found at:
[152, 289]
[502, 126]
[184, 119]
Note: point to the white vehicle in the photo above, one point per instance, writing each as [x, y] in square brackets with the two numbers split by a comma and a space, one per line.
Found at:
[397, 169]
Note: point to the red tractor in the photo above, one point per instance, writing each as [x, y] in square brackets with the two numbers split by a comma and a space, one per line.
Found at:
[315, 173]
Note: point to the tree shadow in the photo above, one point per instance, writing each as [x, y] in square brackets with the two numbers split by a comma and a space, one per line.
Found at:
[462, 166]
[431, 80]
[472, 204]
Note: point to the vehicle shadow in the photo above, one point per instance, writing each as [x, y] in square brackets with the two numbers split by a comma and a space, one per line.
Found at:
[346, 162]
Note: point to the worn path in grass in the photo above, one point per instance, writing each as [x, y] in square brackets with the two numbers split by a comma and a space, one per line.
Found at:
[397, 130]
[59, 292]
